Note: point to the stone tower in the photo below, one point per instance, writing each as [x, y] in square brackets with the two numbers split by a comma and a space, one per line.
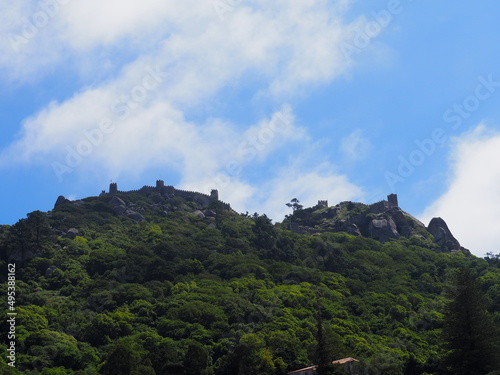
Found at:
[214, 195]
[323, 204]
[160, 184]
[393, 200]
[113, 188]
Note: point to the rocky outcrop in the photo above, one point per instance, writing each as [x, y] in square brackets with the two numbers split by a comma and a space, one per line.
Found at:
[61, 200]
[406, 224]
[117, 202]
[121, 208]
[134, 215]
[442, 235]
[72, 233]
[382, 229]
[209, 213]
[200, 214]
[353, 230]
[380, 221]
[377, 221]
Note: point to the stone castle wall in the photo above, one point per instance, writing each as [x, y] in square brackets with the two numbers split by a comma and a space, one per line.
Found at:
[203, 199]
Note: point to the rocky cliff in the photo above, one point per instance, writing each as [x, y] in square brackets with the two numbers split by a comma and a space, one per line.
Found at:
[380, 221]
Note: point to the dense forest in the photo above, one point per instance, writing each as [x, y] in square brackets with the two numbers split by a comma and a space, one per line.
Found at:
[187, 291]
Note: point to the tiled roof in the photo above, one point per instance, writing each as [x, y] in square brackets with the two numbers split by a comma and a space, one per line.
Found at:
[304, 369]
[337, 362]
[345, 360]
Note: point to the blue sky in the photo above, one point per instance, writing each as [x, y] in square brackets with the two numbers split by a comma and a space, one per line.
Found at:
[338, 100]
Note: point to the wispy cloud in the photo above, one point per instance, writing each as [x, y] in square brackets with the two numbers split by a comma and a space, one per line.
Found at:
[308, 183]
[147, 66]
[197, 54]
[355, 146]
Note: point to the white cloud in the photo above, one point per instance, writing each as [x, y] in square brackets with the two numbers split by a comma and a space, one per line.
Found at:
[471, 204]
[355, 146]
[93, 23]
[128, 119]
[302, 178]
[286, 45]
[295, 180]
[307, 184]
[292, 44]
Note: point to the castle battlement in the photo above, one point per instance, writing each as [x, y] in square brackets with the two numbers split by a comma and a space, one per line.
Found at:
[392, 199]
[322, 204]
[169, 190]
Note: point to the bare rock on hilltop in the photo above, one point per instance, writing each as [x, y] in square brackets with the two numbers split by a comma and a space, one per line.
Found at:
[115, 202]
[382, 229]
[61, 200]
[442, 235]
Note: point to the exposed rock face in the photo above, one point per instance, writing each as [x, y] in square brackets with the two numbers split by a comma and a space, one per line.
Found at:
[61, 200]
[381, 229]
[209, 213]
[72, 233]
[200, 214]
[442, 235]
[380, 221]
[134, 215]
[353, 230]
[121, 208]
[116, 202]
[403, 220]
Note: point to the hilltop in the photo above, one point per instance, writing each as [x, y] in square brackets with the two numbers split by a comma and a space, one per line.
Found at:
[163, 281]
[381, 221]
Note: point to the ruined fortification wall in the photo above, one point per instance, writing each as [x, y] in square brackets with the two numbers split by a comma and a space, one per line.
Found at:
[203, 199]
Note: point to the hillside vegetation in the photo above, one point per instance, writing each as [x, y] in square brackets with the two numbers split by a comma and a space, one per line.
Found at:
[204, 290]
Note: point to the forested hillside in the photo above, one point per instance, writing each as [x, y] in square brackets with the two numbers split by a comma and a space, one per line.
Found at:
[204, 290]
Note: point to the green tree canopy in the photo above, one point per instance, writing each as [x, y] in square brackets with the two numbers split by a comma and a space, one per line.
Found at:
[471, 337]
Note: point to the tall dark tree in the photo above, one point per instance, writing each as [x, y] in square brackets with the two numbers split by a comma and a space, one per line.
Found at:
[328, 347]
[265, 234]
[120, 359]
[197, 360]
[271, 244]
[469, 330]
[250, 356]
[19, 238]
[38, 226]
[29, 234]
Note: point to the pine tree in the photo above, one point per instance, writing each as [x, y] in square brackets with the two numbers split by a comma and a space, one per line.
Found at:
[327, 346]
[470, 334]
